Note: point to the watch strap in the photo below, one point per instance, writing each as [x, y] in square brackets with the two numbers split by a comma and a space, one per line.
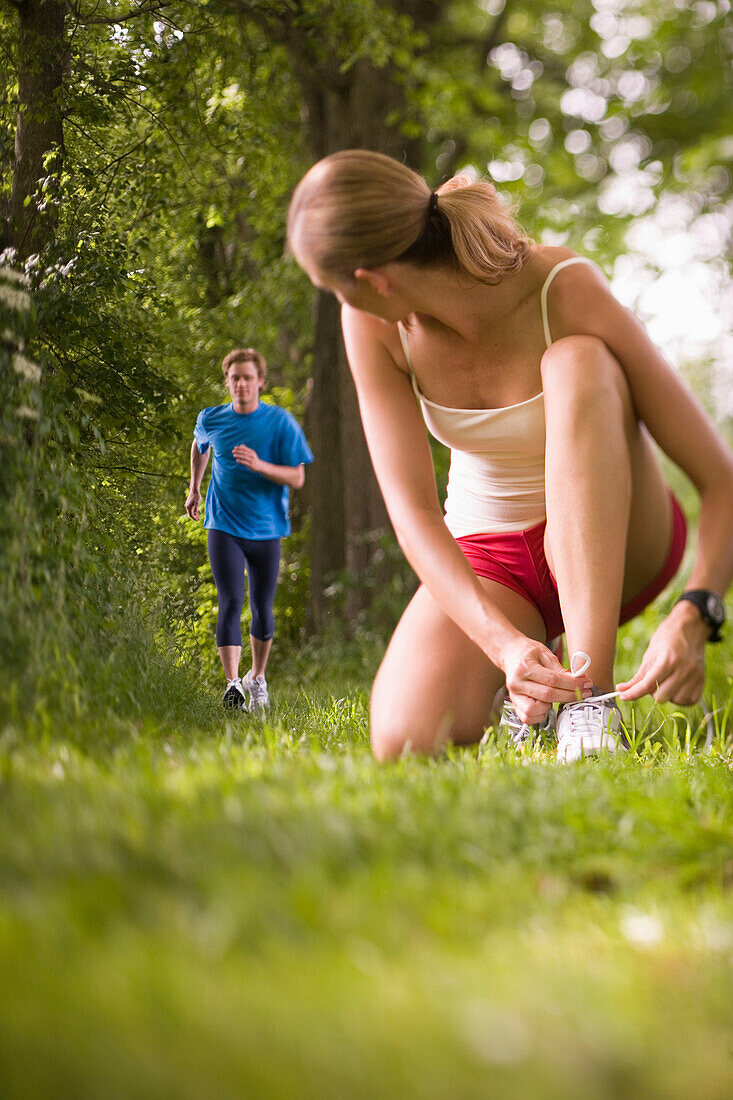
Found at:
[700, 598]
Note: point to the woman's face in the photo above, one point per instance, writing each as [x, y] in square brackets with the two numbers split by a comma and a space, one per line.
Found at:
[359, 292]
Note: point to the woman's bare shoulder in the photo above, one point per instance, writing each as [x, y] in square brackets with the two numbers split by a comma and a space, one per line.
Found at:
[582, 282]
[370, 333]
[582, 300]
[545, 257]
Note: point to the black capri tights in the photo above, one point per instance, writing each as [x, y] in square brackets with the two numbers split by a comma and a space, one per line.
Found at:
[229, 556]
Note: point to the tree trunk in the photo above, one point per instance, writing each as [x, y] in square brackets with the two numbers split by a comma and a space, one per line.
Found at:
[325, 477]
[345, 111]
[39, 130]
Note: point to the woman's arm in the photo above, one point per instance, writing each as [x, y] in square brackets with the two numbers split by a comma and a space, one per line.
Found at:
[400, 453]
[198, 465]
[293, 476]
[685, 433]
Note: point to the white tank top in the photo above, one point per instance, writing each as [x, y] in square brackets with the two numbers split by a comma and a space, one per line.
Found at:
[497, 469]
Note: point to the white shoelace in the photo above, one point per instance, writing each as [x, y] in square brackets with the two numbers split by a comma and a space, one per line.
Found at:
[519, 730]
[581, 714]
[585, 665]
[525, 727]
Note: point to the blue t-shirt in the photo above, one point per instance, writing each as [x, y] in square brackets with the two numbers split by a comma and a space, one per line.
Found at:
[240, 501]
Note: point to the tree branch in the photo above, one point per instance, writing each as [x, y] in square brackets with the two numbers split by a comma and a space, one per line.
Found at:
[154, 8]
[141, 473]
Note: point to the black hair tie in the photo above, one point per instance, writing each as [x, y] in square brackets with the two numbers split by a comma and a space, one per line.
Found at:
[433, 204]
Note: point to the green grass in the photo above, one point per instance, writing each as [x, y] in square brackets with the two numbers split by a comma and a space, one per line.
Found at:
[231, 908]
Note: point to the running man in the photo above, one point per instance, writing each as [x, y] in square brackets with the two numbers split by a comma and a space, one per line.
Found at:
[260, 453]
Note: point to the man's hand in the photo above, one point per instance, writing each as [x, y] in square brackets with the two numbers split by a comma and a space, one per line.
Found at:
[535, 679]
[245, 456]
[193, 503]
[673, 667]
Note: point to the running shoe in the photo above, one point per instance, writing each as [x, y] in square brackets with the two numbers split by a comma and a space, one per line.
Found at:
[235, 697]
[517, 731]
[587, 728]
[257, 688]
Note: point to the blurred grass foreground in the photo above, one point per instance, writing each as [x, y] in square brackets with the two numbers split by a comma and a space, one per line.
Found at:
[239, 909]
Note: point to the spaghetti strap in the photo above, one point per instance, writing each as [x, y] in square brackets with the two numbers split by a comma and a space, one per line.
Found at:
[406, 349]
[546, 286]
[405, 345]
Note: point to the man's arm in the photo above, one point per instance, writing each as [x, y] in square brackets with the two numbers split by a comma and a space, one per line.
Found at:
[293, 476]
[198, 465]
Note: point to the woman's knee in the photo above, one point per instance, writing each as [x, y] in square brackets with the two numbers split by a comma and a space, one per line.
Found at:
[387, 744]
[582, 365]
[395, 727]
[398, 728]
[391, 739]
[581, 372]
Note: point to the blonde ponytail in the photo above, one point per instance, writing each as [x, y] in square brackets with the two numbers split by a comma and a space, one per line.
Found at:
[361, 209]
[487, 242]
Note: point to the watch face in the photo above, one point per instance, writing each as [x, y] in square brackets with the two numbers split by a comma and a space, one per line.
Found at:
[715, 609]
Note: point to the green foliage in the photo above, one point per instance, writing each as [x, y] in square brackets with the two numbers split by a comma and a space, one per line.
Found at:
[185, 131]
[79, 621]
[45, 512]
[584, 112]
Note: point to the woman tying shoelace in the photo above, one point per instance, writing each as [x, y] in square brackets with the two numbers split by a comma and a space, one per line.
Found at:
[589, 725]
[558, 519]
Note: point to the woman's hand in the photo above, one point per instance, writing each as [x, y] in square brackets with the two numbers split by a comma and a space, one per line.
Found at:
[193, 503]
[535, 679]
[245, 456]
[673, 667]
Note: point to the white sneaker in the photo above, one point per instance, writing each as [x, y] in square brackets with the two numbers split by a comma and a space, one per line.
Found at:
[587, 728]
[257, 688]
[235, 697]
[517, 731]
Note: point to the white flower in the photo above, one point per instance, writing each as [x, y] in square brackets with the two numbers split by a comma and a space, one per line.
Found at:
[13, 276]
[15, 299]
[26, 413]
[642, 929]
[26, 368]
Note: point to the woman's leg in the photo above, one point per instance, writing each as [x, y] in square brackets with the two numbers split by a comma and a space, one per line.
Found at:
[263, 569]
[227, 565]
[434, 684]
[609, 516]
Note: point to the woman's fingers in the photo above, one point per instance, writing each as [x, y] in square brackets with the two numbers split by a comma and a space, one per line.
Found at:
[645, 681]
[540, 680]
[665, 683]
[529, 709]
[671, 670]
[685, 690]
[548, 694]
[561, 681]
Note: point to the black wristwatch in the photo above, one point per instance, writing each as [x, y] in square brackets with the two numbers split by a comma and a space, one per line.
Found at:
[711, 608]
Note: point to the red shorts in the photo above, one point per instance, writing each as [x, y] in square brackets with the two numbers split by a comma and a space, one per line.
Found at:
[517, 560]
